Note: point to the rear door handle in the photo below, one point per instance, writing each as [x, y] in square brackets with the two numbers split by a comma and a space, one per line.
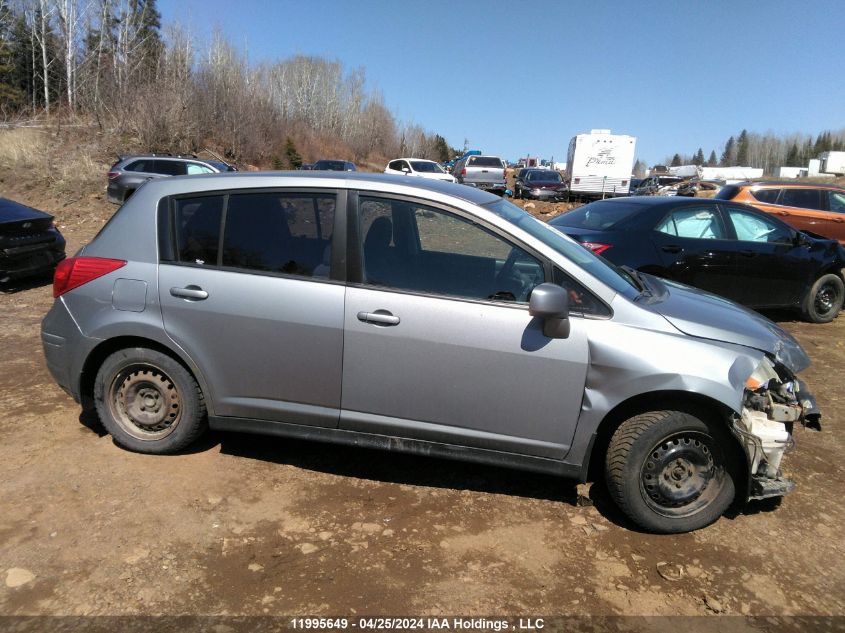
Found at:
[190, 292]
[379, 317]
[672, 248]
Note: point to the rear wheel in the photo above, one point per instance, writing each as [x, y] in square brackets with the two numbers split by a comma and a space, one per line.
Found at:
[669, 471]
[824, 300]
[148, 402]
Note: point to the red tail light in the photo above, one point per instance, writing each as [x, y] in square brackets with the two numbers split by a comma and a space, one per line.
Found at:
[463, 171]
[113, 174]
[596, 247]
[76, 271]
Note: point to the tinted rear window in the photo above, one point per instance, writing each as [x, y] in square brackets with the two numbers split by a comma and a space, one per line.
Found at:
[330, 165]
[602, 215]
[484, 161]
[198, 229]
[169, 168]
[728, 192]
[769, 196]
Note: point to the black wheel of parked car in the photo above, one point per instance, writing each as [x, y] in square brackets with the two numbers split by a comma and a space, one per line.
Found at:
[148, 402]
[669, 471]
[824, 300]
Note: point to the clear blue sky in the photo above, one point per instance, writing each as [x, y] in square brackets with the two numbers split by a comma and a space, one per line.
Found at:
[524, 77]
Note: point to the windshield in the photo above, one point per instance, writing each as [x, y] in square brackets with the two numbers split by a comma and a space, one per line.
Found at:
[597, 266]
[543, 176]
[426, 167]
[601, 215]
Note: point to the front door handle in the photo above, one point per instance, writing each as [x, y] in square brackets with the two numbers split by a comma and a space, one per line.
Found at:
[672, 248]
[379, 317]
[190, 292]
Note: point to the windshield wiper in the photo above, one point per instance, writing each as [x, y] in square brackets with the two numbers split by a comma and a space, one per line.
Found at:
[639, 280]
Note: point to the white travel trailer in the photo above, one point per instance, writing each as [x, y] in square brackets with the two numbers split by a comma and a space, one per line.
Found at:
[599, 164]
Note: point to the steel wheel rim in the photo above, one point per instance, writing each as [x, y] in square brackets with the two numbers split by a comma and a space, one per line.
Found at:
[826, 299]
[145, 402]
[681, 474]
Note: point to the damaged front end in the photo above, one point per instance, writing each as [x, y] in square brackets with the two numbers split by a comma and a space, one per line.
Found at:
[774, 400]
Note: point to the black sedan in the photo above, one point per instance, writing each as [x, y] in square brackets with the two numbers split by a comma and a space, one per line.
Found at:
[30, 244]
[725, 248]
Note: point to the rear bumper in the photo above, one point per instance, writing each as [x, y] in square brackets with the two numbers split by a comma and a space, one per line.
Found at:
[65, 347]
[493, 187]
[21, 263]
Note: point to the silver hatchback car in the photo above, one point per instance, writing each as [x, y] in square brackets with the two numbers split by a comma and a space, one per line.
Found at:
[423, 317]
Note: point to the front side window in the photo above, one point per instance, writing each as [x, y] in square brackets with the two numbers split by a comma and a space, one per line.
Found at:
[700, 223]
[288, 233]
[751, 227]
[836, 201]
[801, 198]
[395, 165]
[418, 248]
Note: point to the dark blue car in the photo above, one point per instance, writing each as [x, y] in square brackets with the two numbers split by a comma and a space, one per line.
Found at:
[30, 243]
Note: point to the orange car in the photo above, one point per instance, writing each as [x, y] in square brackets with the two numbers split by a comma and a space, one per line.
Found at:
[813, 207]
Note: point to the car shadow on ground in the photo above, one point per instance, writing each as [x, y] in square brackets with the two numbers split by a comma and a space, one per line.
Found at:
[416, 470]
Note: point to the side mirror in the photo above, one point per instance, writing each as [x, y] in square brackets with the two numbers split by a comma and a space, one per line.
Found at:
[406, 171]
[550, 302]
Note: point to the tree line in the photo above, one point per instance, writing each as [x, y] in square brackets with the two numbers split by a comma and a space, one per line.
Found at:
[113, 62]
[769, 151]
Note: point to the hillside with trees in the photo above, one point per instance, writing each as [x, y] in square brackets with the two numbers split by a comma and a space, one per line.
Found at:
[113, 64]
[769, 151]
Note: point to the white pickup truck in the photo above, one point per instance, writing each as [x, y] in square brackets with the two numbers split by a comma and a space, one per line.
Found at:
[483, 172]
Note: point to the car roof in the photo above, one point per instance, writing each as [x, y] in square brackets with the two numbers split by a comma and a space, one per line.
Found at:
[426, 160]
[787, 183]
[656, 201]
[176, 185]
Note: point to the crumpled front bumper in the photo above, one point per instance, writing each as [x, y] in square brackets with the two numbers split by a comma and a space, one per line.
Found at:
[765, 430]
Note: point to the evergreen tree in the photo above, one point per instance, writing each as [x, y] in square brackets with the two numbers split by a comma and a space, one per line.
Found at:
[699, 157]
[441, 147]
[11, 96]
[742, 157]
[792, 157]
[294, 159]
[676, 160]
[712, 161]
[150, 33]
[729, 154]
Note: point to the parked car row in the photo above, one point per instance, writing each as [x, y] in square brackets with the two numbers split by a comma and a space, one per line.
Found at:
[426, 317]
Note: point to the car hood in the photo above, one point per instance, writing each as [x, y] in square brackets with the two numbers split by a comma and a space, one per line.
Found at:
[705, 315]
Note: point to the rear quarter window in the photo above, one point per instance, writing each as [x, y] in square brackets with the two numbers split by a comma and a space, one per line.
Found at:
[801, 198]
[769, 196]
[197, 229]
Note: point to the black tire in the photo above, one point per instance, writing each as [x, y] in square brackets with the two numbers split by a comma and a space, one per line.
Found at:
[824, 300]
[670, 472]
[148, 402]
[516, 195]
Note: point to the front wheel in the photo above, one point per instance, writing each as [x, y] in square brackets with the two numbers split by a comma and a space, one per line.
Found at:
[669, 471]
[149, 402]
[824, 300]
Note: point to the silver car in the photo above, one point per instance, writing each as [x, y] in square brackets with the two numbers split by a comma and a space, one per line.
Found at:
[423, 317]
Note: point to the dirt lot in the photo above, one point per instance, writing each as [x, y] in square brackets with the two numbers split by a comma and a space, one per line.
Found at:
[246, 525]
